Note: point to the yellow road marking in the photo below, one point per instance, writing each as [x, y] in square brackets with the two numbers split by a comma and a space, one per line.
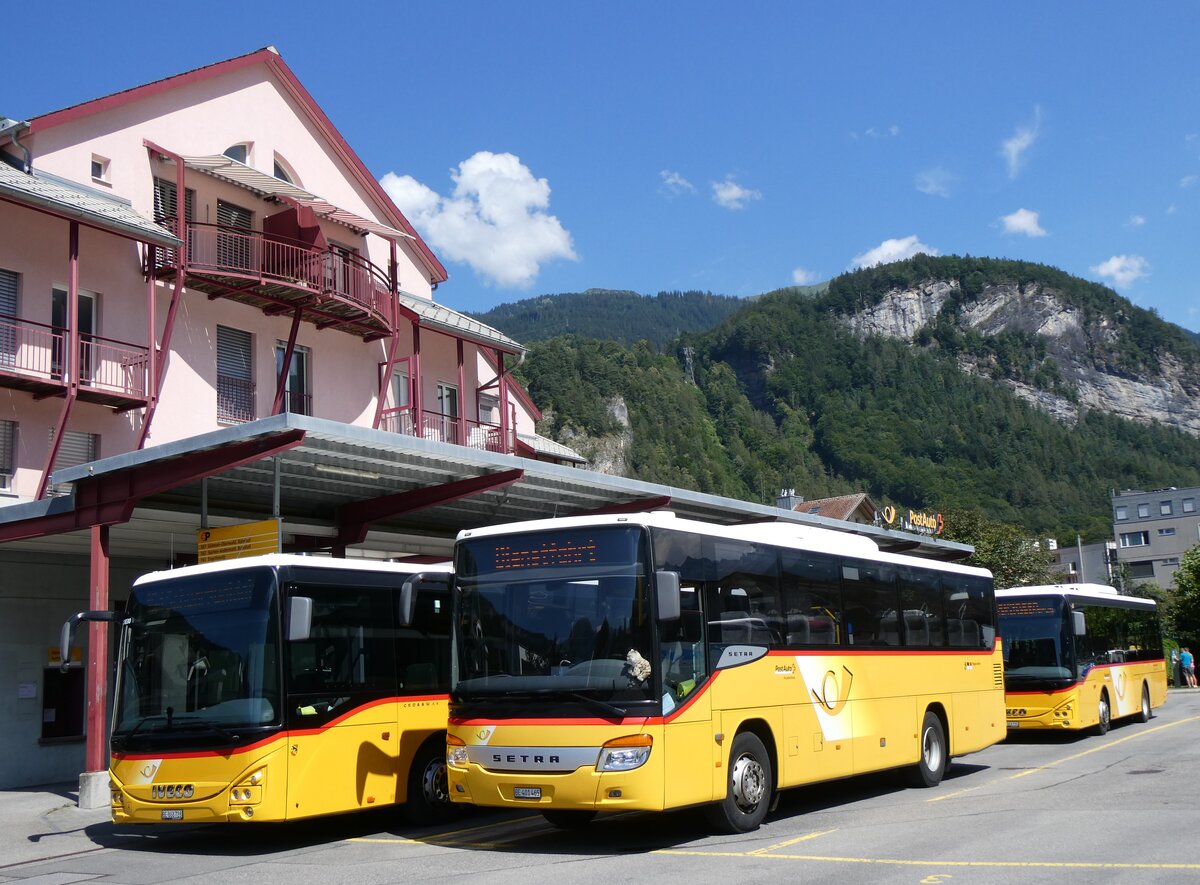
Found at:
[1103, 747]
[788, 842]
[1014, 864]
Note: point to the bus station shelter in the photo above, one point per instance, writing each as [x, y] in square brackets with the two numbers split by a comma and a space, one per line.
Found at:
[336, 489]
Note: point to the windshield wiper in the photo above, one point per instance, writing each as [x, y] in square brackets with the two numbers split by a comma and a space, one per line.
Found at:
[611, 709]
[202, 726]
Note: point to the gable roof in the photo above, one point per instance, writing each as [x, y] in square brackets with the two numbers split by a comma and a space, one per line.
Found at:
[271, 58]
[841, 507]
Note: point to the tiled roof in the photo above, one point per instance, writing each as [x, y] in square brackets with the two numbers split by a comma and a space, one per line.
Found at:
[840, 507]
[66, 199]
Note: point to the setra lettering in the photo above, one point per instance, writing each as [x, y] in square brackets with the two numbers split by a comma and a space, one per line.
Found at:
[535, 758]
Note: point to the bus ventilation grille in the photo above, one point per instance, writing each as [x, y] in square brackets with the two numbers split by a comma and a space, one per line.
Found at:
[998, 675]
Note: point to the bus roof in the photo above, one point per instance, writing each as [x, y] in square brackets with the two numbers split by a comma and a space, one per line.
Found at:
[783, 534]
[1101, 592]
[277, 560]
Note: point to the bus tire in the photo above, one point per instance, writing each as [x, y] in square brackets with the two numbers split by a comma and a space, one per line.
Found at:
[428, 787]
[1144, 713]
[1104, 715]
[934, 753]
[564, 819]
[749, 787]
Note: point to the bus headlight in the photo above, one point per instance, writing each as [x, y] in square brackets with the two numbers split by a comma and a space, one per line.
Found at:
[456, 751]
[625, 753]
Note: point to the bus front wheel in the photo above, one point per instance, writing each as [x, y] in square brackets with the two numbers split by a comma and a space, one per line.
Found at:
[931, 765]
[1104, 714]
[428, 788]
[750, 785]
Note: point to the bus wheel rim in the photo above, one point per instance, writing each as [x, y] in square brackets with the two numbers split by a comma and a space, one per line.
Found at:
[931, 749]
[434, 783]
[749, 783]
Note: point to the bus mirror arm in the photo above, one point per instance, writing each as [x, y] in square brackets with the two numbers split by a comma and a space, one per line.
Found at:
[68, 628]
[408, 594]
[666, 595]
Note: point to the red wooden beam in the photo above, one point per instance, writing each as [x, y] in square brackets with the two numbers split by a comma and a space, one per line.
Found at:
[110, 498]
[354, 519]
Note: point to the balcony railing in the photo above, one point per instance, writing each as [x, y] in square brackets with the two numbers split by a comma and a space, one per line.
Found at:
[446, 428]
[36, 351]
[273, 261]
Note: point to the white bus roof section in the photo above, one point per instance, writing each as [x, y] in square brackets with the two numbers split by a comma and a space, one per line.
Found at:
[279, 560]
[1101, 592]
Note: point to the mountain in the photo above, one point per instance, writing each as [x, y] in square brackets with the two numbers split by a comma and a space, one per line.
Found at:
[626, 317]
[944, 383]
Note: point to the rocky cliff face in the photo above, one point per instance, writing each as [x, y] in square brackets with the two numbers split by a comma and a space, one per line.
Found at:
[1170, 396]
[608, 454]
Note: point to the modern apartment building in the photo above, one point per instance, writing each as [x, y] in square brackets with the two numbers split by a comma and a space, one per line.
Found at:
[1154, 529]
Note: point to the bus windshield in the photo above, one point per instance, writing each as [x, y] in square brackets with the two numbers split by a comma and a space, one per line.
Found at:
[1037, 645]
[563, 613]
[200, 659]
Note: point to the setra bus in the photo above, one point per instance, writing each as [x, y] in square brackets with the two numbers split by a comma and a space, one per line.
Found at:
[650, 662]
[1077, 656]
[280, 687]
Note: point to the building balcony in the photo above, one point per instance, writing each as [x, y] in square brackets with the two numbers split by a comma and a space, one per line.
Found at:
[331, 288]
[448, 428]
[112, 373]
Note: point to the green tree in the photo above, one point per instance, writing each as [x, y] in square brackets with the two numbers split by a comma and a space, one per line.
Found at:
[1185, 601]
[1014, 558]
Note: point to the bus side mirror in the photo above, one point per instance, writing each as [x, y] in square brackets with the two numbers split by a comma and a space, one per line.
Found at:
[299, 618]
[1078, 625]
[408, 594]
[666, 595]
[68, 627]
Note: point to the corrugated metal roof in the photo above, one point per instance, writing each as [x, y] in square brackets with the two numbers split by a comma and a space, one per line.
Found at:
[434, 315]
[74, 201]
[222, 167]
[543, 446]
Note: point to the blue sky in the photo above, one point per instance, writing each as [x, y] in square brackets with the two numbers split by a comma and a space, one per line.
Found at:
[734, 148]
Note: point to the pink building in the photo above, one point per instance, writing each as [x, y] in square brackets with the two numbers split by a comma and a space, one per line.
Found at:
[300, 287]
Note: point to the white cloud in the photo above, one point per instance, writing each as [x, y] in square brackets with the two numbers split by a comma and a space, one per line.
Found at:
[495, 220]
[731, 195]
[936, 182]
[802, 277]
[1014, 148]
[892, 250]
[1189, 180]
[1135, 221]
[675, 184]
[1123, 270]
[1023, 221]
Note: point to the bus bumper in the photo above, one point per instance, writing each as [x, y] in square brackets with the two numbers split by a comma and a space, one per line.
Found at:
[584, 789]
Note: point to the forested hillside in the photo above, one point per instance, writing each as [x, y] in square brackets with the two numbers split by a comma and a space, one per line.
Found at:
[785, 393]
[619, 316]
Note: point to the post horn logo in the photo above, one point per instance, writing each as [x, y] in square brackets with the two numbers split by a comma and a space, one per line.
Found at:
[889, 514]
[833, 697]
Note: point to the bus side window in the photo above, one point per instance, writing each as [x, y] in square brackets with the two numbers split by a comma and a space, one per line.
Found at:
[811, 599]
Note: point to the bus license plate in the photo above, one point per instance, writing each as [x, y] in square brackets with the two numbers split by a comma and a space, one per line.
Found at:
[527, 792]
[1012, 724]
[172, 814]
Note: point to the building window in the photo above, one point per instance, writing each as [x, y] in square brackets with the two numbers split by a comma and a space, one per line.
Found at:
[1164, 508]
[1141, 571]
[1135, 539]
[77, 447]
[447, 399]
[1172, 560]
[235, 376]
[1143, 510]
[1189, 505]
[1166, 533]
[297, 395]
[9, 283]
[239, 152]
[100, 166]
[8, 438]
[284, 171]
[86, 318]
[1122, 512]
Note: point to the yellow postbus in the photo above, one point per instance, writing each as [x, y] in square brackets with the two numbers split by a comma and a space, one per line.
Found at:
[650, 662]
[1079, 655]
[281, 687]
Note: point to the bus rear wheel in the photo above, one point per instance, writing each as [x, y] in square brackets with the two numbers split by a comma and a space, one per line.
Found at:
[428, 787]
[751, 783]
[1104, 715]
[1144, 712]
[931, 766]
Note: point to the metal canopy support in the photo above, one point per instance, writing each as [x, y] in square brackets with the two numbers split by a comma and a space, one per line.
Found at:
[286, 369]
[71, 359]
[354, 519]
[111, 497]
[96, 757]
[636, 506]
